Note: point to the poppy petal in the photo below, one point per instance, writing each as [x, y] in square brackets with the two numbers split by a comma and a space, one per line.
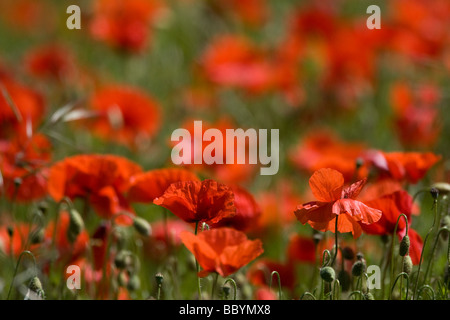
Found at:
[326, 184]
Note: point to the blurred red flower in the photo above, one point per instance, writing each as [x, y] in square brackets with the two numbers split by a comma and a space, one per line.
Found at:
[99, 179]
[248, 212]
[221, 250]
[259, 273]
[301, 249]
[322, 149]
[335, 201]
[198, 201]
[124, 24]
[146, 186]
[51, 61]
[126, 114]
[21, 108]
[402, 166]
[23, 166]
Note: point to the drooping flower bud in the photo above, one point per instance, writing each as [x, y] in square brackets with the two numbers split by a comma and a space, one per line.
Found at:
[36, 286]
[76, 225]
[142, 226]
[404, 246]
[327, 274]
[121, 260]
[358, 268]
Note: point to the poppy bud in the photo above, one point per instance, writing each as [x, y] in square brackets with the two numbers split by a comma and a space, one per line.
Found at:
[36, 286]
[348, 253]
[327, 274]
[434, 193]
[134, 283]
[38, 236]
[446, 222]
[226, 291]
[442, 187]
[43, 207]
[121, 259]
[358, 268]
[317, 237]
[407, 265]
[159, 279]
[76, 225]
[142, 226]
[404, 246]
[359, 163]
[368, 296]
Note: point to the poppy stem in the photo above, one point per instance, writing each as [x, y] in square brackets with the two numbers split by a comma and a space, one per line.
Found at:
[17, 268]
[279, 283]
[392, 260]
[234, 286]
[335, 241]
[216, 276]
[423, 248]
[197, 267]
[431, 258]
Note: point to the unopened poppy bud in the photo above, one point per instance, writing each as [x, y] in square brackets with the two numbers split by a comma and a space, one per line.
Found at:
[434, 193]
[348, 253]
[359, 163]
[442, 187]
[134, 283]
[159, 279]
[359, 256]
[358, 268]
[43, 207]
[317, 237]
[368, 296]
[446, 222]
[38, 236]
[36, 286]
[121, 259]
[327, 274]
[76, 225]
[407, 265]
[142, 226]
[404, 246]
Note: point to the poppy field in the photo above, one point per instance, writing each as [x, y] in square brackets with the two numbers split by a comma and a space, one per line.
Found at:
[224, 150]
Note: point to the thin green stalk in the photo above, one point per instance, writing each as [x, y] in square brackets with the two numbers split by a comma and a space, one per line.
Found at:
[234, 286]
[279, 283]
[406, 276]
[17, 268]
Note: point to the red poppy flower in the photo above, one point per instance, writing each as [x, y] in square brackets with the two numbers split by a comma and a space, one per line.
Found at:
[221, 250]
[124, 24]
[301, 249]
[335, 201]
[402, 166]
[194, 201]
[24, 160]
[247, 211]
[15, 245]
[51, 61]
[68, 251]
[125, 114]
[25, 112]
[234, 62]
[100, 179]
[265, 293]
[251, 12]
[146, 186]
[322, 149]
[416, 116]
[260, 271]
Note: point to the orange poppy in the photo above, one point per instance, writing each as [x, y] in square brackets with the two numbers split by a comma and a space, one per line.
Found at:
[125, 114]
[100, 179]
[335, 201]
[124, 24]
[25, 112]
[248, 211]
[221, 250]
[198, 201]
[25, 159]
[50, 61]
[402, 166]
[322, 149]
[146, 186]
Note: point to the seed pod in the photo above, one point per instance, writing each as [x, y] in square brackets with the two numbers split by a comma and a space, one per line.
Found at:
[358, 268]
[159, 279]
[76, 225]
[404, 246]
[142, 226]
[407, 265]
[434, 193]
[327, 274]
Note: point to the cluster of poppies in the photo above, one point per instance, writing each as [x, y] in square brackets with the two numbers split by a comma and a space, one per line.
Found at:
[86, 177]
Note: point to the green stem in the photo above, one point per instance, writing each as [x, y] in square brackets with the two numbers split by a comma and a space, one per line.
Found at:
[335, 241]
[214, 285]
[392, 260]
[403, 274]
[234, 286]
[197, 267]
[279, 283]
[427, 270]
[17, 268]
